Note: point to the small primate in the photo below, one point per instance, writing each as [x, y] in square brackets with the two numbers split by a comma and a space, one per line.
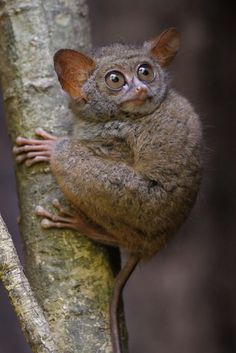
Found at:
[132, 167]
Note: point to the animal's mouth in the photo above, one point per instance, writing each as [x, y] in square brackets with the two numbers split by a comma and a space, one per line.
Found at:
[139, 97]
[135, 101]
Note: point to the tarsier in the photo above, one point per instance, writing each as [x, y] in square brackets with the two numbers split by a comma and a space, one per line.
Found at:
[132, 168]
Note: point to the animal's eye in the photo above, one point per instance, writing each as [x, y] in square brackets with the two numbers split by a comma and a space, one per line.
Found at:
[145, 73]
[115, 80]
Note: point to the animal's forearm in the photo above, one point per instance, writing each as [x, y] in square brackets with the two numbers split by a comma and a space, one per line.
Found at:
[81, 175]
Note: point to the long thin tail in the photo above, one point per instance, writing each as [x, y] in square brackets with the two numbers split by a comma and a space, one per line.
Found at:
[120, 282]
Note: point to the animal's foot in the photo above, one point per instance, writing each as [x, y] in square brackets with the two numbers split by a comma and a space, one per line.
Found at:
[77, 221]
[63, 219]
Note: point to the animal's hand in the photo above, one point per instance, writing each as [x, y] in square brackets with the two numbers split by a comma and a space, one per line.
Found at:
[32, 151]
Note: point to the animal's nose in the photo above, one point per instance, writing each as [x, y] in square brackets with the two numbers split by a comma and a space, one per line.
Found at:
[141, 92]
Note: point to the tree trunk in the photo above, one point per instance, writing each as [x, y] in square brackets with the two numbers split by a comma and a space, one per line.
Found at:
[70, 275]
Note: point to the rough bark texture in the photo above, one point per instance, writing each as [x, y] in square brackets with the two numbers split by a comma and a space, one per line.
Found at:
[70, 275]
[29, 313]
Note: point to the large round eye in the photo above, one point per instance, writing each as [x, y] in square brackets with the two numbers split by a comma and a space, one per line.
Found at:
[145, 73]
[115, 80]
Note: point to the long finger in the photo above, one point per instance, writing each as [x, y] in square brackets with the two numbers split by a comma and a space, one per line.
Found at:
[21, 158]
[39, 131]
[29, 148]
[35, 160]
[39, 153]
[24, 141]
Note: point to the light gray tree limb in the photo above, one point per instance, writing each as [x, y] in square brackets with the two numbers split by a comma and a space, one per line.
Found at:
[29, 313]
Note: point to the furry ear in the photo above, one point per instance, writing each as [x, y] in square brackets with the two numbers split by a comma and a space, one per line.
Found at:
[165, 46]
[73, 69]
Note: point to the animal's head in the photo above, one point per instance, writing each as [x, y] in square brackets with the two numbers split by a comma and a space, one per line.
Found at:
[119, 80]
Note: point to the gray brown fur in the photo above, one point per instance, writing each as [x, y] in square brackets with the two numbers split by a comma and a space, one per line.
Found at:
[132, 167]
[137, 178]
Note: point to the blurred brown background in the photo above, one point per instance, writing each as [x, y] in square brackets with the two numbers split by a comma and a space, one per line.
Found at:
[183, 301]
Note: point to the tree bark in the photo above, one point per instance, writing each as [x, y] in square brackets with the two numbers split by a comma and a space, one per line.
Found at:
[70, 275]
[29, 313]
